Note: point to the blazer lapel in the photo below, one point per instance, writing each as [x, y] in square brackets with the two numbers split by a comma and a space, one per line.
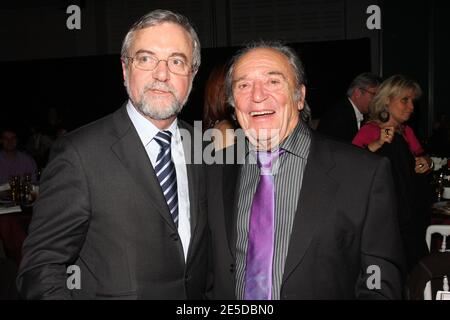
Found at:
[230, 186]
[192, 169]
[316, 201]
[353, 125]
[130, 151]
[188, 142]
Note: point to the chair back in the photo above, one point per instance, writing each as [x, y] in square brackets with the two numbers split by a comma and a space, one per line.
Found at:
[443, 230]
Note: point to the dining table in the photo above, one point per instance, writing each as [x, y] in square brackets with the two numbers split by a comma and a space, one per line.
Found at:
[440, 212]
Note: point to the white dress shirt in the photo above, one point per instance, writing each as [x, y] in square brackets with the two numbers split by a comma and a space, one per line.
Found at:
[359, 115]
[147, 131]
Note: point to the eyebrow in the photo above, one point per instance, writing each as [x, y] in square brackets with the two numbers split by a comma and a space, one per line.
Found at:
[276, 73]
[145, 51]
[270, 73]
[175, 54]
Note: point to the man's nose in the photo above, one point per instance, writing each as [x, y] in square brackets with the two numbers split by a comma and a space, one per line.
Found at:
[258, 92]
[161, 72]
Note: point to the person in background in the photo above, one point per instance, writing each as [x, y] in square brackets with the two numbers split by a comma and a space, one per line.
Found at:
[119, 200]
[386, 133]
[285, 220]
[12, 161]
[38, 145]
[218, 114]
[344, 120]
[55, 122]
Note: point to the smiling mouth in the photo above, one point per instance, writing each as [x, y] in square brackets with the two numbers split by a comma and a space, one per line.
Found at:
[159, 91]
[261, 113]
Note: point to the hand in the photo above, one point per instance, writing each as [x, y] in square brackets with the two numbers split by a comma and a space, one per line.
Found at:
[423, 164]
[386, 135]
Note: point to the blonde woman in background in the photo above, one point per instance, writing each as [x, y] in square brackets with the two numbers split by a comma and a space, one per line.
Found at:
[387, 134]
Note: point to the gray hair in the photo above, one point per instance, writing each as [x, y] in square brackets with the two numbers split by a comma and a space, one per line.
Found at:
[306, 114]
[363, 81]
[291, 55]
[158, 17]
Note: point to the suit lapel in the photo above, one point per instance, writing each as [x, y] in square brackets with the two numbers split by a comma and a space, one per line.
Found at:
[353, 125]
[230, 186]
[130, 151]
[316, 200]
[189, 146]
[188, 149]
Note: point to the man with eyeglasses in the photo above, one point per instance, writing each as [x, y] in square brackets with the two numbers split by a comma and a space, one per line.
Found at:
[344, 119]
[122, 211]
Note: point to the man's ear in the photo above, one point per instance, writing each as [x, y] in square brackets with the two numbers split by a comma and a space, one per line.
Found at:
[301, 100]
[359, 92]
[194, 73]
[124, 71]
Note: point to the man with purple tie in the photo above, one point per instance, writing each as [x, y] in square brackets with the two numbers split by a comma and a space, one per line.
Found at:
[295, 215]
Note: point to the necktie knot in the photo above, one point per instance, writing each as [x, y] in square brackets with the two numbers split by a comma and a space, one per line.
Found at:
[163, 138]
[266, 159]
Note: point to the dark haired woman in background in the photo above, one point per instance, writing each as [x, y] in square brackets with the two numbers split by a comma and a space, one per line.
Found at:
[218, 114]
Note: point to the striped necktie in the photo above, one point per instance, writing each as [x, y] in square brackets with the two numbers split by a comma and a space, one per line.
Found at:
[166, 174]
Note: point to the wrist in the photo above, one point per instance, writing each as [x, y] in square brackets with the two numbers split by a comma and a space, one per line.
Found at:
[375, 145]
[431, 164]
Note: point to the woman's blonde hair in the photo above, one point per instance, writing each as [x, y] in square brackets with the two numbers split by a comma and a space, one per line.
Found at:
[391, 88]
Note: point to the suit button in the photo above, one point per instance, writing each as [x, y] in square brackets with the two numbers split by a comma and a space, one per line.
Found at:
[174, 237]
[232, 268]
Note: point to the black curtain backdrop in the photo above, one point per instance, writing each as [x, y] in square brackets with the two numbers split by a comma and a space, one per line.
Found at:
[84, 89]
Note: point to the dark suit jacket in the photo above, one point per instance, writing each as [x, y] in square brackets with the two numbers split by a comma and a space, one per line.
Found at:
[345, 222]
[102, 209]
[339, 122]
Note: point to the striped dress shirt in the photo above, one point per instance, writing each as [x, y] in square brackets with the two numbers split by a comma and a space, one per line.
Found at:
[288, 177]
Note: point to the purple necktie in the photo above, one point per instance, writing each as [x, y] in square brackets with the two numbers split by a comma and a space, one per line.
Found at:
[258, 271]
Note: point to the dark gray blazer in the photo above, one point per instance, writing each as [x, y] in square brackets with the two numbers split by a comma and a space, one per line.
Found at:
[102, 209]
[345, 222]
[339, 122]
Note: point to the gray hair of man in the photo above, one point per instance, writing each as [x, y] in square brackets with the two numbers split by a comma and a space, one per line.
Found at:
[158, 17]
[306, 114]
[363, 81]
[291, 55]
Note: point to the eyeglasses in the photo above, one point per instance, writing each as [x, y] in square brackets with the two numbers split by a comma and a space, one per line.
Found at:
[365, 90]
[148, 62]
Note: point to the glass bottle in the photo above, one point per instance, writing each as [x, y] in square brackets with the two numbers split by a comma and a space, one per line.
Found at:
[446, 182]
[26, 189]
[14, 183]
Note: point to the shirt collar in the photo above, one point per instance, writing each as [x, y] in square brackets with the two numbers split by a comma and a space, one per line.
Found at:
[359, 115]
[297, 143]
[145, 128]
